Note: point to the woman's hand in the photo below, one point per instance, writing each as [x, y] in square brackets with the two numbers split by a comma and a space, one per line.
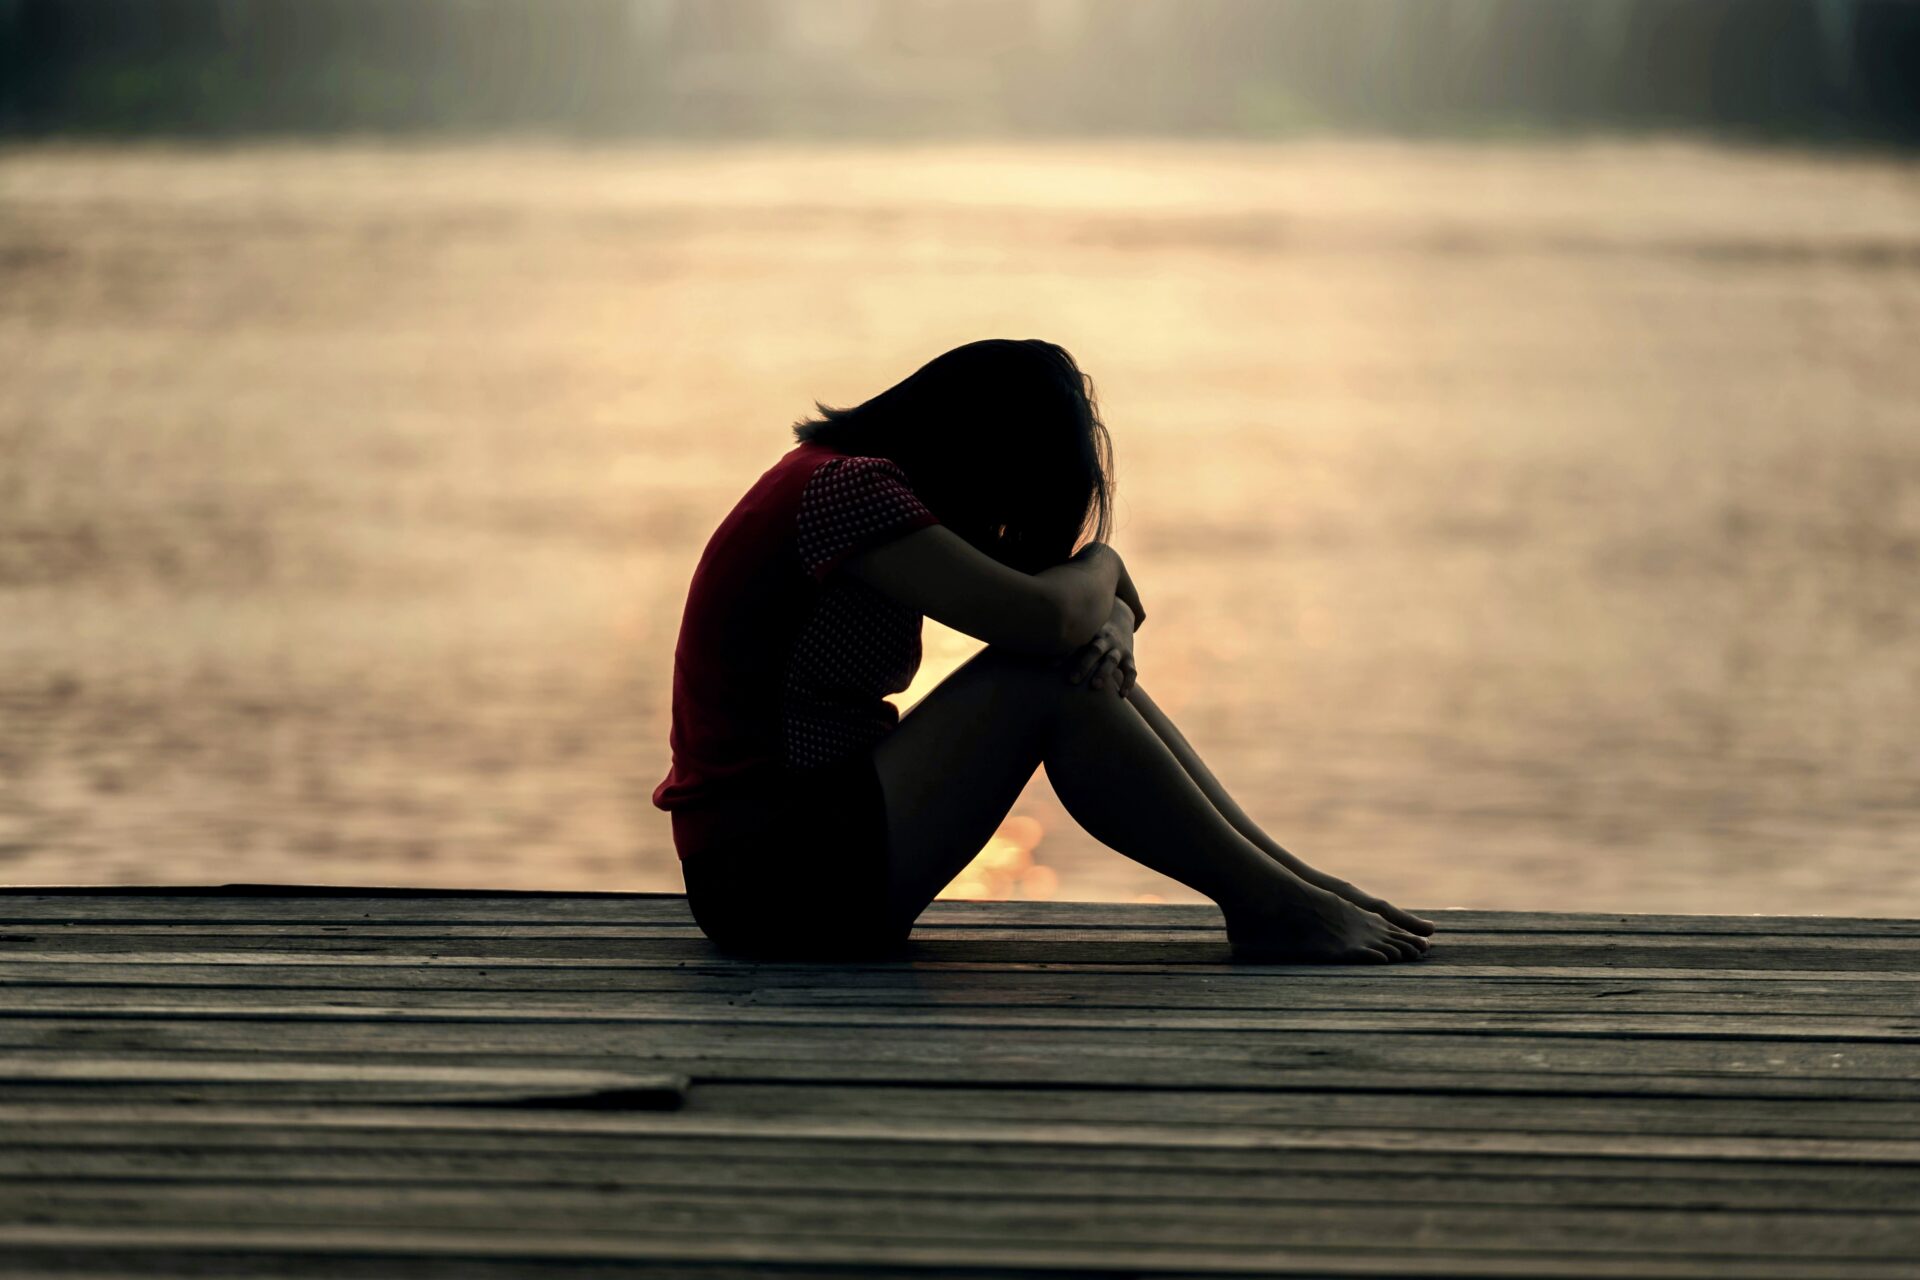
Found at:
[1106, 661]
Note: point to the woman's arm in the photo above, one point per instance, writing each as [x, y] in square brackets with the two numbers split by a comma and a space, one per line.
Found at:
[940, 574]
[1125, 592]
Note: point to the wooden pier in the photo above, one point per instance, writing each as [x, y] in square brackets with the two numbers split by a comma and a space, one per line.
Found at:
[328, 1083]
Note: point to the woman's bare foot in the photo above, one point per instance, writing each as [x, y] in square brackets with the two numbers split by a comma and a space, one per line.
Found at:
[1379, 906]
[1319, 928]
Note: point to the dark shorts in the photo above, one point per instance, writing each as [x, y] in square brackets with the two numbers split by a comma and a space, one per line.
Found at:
[794, 865]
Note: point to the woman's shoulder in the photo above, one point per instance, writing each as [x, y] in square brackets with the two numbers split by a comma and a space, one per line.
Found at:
[790, 472]
[809, 468]
[809, 458]
[817, 481]
[816, 458]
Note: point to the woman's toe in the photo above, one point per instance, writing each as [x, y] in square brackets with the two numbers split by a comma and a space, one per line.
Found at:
[1412, 923]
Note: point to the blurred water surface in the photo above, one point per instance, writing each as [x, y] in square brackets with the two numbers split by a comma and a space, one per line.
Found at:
[1521, 527]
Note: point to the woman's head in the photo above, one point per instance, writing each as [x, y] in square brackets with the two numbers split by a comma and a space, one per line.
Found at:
[1002, 439]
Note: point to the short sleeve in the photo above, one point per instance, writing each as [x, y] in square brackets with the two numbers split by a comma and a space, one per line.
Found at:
[851, 504]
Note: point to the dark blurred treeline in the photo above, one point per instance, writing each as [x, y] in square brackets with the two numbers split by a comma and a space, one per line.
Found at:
[1792, 69]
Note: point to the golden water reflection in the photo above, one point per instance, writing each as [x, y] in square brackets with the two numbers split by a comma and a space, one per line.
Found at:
[1519, 526]
[1006, 867]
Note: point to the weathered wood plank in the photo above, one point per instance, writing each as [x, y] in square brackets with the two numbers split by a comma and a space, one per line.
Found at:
[566, 987]
[941, 991]
[93, 1080]
[1170, 1058]
[1411, 1110]
[1137, 1136]
[201, 935]
[536, 1255]
[714, 964]
[512, 939]
[1808, 957]
[1032, 915]
[1056, 1221]
[1604, 1024]
[1105, 1073]
[55, 1133]
[285, 904]
[938, 1170]
[192, 1080]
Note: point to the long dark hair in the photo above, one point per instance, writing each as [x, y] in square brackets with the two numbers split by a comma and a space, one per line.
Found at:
[1002, 440]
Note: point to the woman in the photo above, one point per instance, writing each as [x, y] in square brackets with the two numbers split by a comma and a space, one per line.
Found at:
[810, 818]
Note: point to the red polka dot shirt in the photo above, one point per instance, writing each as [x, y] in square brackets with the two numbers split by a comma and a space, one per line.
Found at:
[783, 664]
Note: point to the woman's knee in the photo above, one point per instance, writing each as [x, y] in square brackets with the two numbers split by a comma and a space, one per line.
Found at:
[1018, 659]
[1039, 682]
[1028, 679]
[1028, 673]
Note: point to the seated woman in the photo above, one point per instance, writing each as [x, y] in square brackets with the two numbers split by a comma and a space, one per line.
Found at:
[811, 818]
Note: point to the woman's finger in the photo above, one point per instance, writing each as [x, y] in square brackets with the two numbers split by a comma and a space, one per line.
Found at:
[1108, 674]
[1087, 658]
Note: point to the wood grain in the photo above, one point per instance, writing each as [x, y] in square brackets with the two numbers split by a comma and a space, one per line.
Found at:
[273, 1081]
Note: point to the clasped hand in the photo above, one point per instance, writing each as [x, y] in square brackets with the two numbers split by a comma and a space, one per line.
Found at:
[1106, 661]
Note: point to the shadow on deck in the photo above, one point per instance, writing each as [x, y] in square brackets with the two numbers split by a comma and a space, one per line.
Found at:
[281, 1081]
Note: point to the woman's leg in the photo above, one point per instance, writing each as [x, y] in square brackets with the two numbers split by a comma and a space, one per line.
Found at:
[1169, 733]
[958, 760]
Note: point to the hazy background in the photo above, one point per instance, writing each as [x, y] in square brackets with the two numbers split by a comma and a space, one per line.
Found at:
[1516, 410]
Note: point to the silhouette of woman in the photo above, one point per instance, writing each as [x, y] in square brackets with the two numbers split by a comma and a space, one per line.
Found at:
[812, 819]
